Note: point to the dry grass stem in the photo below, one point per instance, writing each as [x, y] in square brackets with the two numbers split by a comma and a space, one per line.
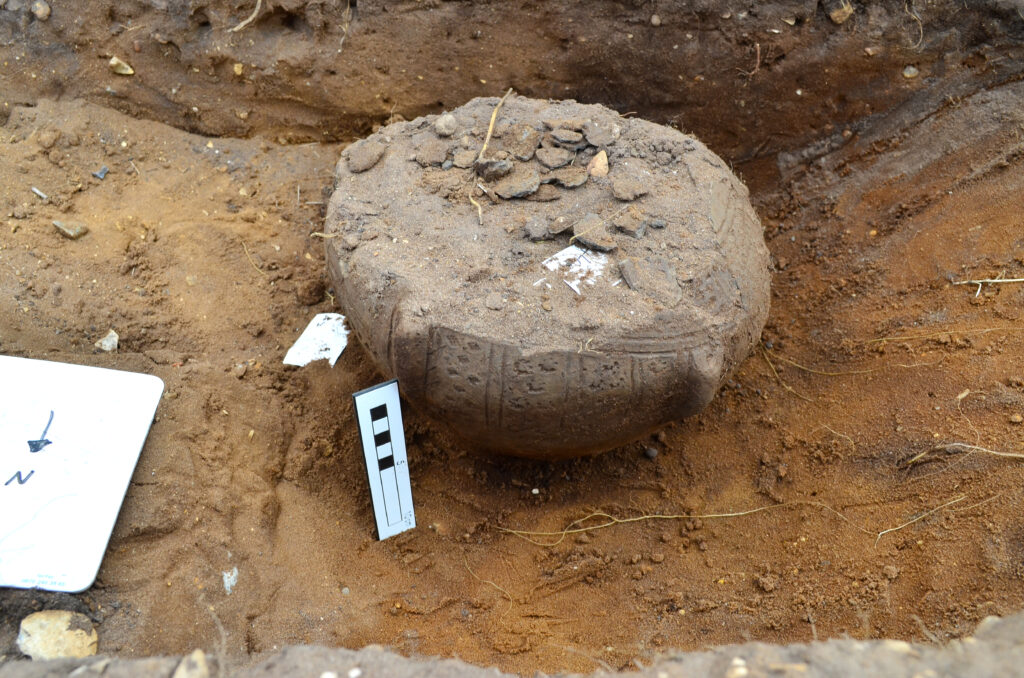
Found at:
[490, 127]
[838, 435]
[608, 520]
[252, 17]
[920, 26]
[987, 281]
[479, 210]
[936, 335]
[500, 589]
[249, 257]
[920, 517]
[786, 386]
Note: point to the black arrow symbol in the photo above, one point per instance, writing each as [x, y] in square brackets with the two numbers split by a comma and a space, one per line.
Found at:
[36, 445]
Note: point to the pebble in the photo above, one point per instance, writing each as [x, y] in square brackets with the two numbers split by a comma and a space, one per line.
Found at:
[553, 158]
[627, 188]
[494, 301]
[193, 666]
[656, 223]
[521, 141]
[839, 11]
[364, 154]
[891, 572]
[627, 269]
[522, 182]
[537, 230]
[72, 230]
[591, 232]
[120, 67]
[109, 342]
[911, 72]
[545, 193]
[598, 165]
[546, 305]
[657, 558]
[446, 124]
[575, 124]
[48, 137]
[1016, 419]
[239, 370]
[54, 634]
[569, 177]
[599, 135]
[655, 20]
[492, 169]
[650, 452]
[41, 10]
[631, 226]
[432, 152]
[560, 225]
[464, 159]
[567, 137]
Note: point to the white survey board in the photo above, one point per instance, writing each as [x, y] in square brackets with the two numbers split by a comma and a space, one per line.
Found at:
[70, 437]
[379, 413]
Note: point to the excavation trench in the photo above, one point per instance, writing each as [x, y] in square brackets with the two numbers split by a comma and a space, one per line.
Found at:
[842, 484]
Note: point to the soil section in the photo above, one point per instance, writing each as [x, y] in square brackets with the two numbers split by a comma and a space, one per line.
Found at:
[875, 375]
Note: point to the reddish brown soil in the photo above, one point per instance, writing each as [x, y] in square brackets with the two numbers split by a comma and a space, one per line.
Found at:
[202, 256]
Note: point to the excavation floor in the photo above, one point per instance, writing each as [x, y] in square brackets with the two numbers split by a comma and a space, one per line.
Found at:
[837, 486]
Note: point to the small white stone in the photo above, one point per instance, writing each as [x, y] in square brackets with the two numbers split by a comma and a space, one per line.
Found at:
[738, 668]
[446, 125]
[655, 20]
[41, 10]
[329, 674]
[109, 342]
[911, 72]
[120, 67]
[355, 672]
[54, 634]
[535, 491]
[193, 666]
[901, 646]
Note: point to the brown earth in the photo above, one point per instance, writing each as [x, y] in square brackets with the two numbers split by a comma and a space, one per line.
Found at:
[876, 191]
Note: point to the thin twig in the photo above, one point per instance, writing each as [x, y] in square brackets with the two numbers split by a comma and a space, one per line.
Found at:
[479, 210]
[252, 17]
[786, 386]
[821, 372]
[838, 434]
[987, 281]
[977, 448]
[576, 527]
[249, 256]
[915, 17]
[490, 128]
[917, 337]
[920, 517]
[508, 595]
[610, 520]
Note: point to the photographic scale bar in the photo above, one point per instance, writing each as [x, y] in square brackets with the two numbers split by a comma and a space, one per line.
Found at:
[379, 414]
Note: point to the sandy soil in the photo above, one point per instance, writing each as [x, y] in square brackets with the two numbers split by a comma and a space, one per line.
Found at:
[852, 420]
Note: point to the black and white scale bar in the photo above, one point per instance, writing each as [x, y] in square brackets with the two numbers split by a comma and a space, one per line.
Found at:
[379, 414]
